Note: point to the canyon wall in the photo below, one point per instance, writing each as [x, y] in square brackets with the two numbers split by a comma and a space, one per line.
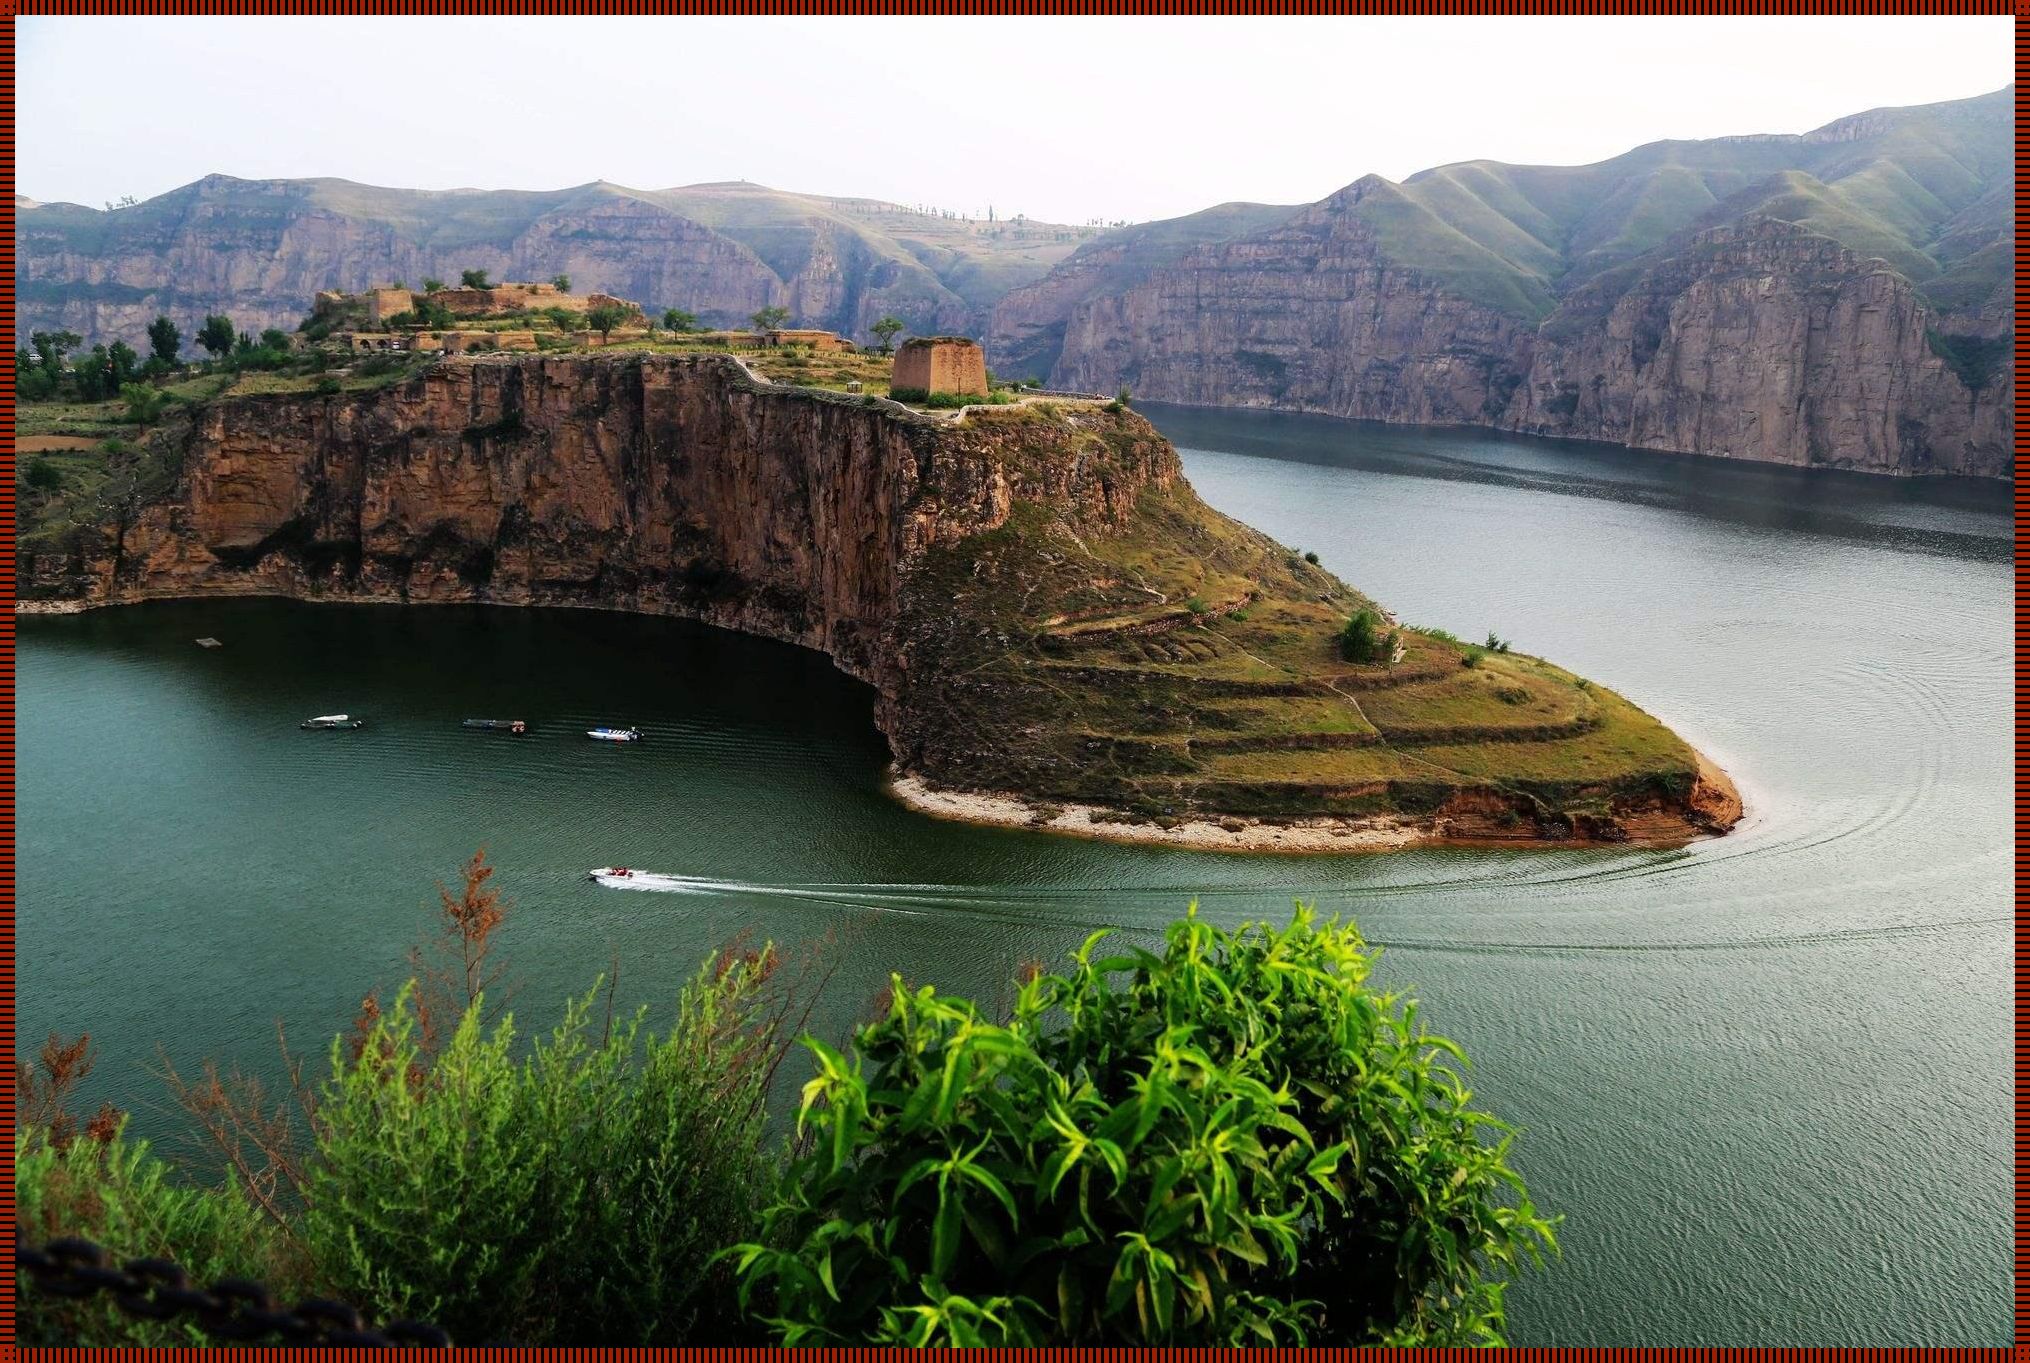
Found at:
[1764, 341]
[1307, 316]
[259, 250]
[663, 484]
[1753, 340]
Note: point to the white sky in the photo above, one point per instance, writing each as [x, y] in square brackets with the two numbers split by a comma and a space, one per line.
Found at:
[1064, 119]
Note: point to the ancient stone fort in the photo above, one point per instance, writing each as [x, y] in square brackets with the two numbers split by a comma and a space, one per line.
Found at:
[940, 364]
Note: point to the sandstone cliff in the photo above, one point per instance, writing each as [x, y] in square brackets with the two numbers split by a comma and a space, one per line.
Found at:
[1041, 604]
[1764, 341]
[1307, 316]
[258, 250]
[1841, 298]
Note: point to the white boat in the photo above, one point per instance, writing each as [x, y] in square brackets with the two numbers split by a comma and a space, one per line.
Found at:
[626, 878]
[331, 722]
[615, 735]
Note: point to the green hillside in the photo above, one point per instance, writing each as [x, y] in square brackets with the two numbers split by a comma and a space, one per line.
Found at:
[1924, 188]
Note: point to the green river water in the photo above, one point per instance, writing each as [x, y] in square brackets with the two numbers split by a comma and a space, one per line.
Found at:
[1764, 1078]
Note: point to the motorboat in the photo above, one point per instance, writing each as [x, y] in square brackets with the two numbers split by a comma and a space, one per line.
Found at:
[626, 878]
[506, 726]
[331, 722]
[615, 735]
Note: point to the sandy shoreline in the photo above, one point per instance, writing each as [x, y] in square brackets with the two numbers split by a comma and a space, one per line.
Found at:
[1087, 821]
[1715, 798]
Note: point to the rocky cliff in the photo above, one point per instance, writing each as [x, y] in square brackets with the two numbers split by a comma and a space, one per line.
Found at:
[1841, 298]
[1041, 604]
[258, 250]
[1761, 340]
[1307, 316]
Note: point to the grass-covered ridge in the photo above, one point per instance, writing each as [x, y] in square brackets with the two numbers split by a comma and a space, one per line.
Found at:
[1179, 666]
[1919, 187]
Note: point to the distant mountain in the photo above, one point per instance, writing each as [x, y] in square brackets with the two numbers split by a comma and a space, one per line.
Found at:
[1843, 297]
[258, 249]
[1840, 297]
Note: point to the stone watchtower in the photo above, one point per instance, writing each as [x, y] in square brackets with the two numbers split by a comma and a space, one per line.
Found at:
[940, 364]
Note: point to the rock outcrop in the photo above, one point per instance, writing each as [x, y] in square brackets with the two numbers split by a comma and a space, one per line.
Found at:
[1764, 341]
[1040, 603]
[669, 485]
[257, 249]
[1839, 299]
[1307, 316]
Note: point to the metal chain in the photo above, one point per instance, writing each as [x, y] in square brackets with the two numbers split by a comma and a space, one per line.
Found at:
[232, 1308]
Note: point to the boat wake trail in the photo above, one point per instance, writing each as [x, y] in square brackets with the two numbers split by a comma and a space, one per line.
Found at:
[919, 901]
[616, 878]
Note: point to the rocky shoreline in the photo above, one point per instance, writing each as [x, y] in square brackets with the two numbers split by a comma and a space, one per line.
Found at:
[1716, 797]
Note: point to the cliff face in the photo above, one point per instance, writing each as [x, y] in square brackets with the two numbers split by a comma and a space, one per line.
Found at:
[1754, 340]
[1039, 601]
[1841, 298]
[1765, 341]
[1308, 316]
[258, 250]
[668, 485]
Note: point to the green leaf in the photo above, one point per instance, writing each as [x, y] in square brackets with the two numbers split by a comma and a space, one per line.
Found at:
[944, 1235]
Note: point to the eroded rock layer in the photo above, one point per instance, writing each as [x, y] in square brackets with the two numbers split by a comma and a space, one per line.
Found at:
[1041, 604]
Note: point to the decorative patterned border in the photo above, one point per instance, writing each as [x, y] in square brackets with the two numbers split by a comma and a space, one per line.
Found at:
[10, 8]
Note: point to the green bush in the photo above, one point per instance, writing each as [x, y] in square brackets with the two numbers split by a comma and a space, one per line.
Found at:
[1233, 1142]
[1311, 557]
[576, 1195]
[125, 1200]
[44, 476]
[1364, 640]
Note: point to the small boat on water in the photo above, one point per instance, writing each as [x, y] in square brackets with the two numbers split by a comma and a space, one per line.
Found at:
[331, 722]
[615, 735]
[511, 726]
[625, 878]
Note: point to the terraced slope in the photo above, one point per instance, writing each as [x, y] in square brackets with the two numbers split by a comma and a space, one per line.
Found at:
[1188, 668]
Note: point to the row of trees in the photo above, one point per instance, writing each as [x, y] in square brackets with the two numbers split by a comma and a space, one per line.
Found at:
[771, 318]
[51, 366]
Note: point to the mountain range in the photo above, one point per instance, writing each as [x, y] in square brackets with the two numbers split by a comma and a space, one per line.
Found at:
[1842, 297]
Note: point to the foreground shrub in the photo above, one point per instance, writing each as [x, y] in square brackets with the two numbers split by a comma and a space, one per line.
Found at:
[113, 1192]
[1235, 1142]
[577, 1195]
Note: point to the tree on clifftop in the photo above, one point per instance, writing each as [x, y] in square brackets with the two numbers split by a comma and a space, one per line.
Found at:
[768, 319]
[432, 285]
[164, 340]
[605, 318]
[473, 279]
[676, 319]
[562, 283]
[885, 331]
[216, 335]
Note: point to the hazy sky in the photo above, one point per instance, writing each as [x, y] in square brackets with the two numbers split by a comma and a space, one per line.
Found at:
[1064, 119]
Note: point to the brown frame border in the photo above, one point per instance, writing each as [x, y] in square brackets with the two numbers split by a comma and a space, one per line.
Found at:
[2020, 9]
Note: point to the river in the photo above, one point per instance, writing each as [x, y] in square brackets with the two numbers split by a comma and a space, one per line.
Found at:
[1764, 1078]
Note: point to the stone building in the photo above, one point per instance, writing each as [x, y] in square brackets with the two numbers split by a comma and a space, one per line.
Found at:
[385, 303]
[510, 297]
[940, 364]
[821, 341]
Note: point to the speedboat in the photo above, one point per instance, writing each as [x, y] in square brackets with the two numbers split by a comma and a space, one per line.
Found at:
[512, 726]
[331, 722]
[626, 878]
[615, 735]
